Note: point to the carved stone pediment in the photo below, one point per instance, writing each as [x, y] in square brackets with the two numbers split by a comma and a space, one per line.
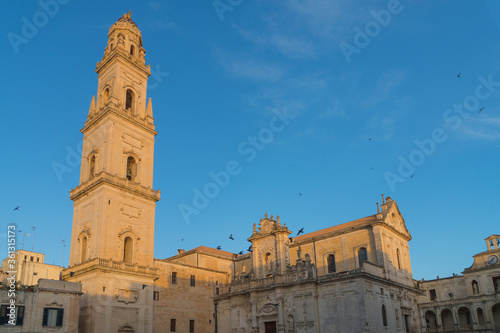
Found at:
[268, 309]
[126, 328]
[54, 304]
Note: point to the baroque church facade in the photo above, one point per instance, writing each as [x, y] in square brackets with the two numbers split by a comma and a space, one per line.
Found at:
[352, 277]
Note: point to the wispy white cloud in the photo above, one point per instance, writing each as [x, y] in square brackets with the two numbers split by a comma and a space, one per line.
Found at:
[247, 67]
[483, 128]
[385, 87]
[291, 47]
[386, 121]
[334, 111]
[326, 18]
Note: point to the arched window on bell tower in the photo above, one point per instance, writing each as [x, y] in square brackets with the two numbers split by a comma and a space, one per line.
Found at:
[127, 250]
[84, 250]
[129, 100]
[131, 168]
[92, 167]
[105, 96]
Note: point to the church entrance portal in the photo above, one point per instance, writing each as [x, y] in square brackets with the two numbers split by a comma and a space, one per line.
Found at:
[270, 326]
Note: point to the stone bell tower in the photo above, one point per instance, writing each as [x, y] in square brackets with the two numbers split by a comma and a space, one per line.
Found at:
[112, 240]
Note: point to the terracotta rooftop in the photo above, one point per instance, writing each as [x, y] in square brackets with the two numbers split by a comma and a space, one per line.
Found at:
[355, 223]
[214, 251]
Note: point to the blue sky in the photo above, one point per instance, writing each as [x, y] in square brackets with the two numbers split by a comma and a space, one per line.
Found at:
[371, 90]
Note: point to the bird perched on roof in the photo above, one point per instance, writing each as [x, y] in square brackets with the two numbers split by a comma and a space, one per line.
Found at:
[218, 247]
[240, 253]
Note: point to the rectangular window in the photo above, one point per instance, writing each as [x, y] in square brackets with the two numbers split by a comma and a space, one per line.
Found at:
[52, 317]
[432, 294]
[193, 281]
[31, 258]
[156, 295]
[191, 326]
[496, 283]
[174, 277]
[331, 263]
[6, 320]
[172, 325]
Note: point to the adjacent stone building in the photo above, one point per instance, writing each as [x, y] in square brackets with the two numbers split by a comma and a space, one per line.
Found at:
[468, 302]
[29, 267]
[50, 306]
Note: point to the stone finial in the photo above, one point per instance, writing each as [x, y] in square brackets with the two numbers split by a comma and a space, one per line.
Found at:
[271, 217]
[383, 202]
[92, 107]
[265, 215]
[278, 220]
[254, 228]
[378, 209]
[149, 109]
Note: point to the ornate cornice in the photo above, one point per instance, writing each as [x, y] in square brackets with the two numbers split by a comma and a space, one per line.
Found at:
[104, 178]
[109, 266]
[135, 119]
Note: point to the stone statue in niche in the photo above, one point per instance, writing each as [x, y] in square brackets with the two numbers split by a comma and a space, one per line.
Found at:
[475, 288]
[291, 324]
[299, 253]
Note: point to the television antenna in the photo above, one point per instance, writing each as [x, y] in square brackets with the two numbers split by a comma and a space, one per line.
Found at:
[33, 229]
[24, 235]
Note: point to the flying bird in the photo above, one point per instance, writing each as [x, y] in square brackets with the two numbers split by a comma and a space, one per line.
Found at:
[291, 239]
[231, 237]
[370, 139]
[300, 194]
[411, 176]
[250, 248]
[17, 208]
[301, 231]
[481, 109]
[218, 247]
[459, 74]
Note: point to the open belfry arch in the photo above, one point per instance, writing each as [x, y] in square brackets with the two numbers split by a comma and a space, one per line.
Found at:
[112, 241]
